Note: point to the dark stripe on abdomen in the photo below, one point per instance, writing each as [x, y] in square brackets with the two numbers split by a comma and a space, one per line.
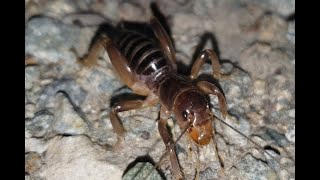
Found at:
[144, 56]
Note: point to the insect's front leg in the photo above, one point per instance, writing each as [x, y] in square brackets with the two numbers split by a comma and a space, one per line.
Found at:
[118, 128]
[164, 116]
[217, 156]
[210, 88]
[206, 54]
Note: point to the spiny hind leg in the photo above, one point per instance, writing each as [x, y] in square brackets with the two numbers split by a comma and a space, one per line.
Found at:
[210, 88]
[170, 147]
[117, 59]
[205, 55]
[165, 42]
[120, 63]
[117, 126]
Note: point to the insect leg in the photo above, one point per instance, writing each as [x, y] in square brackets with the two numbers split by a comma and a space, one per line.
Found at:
[206, 54]
[164, 115]
[126, 106]
[212, 89]
[164, 39]
[118, 61]
[90, 59]
[221, 163]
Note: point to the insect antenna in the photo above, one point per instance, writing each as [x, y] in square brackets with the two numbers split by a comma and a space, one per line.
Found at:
[255, 143]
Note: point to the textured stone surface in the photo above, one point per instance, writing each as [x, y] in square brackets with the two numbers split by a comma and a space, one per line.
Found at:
[291, 32]
[142, 171]
[71, 137]
[31, 76]
[258, 59]
[35, 145]
[50, 40]
[39, 125]
[32, 162]
[283, 7]
[255, 169]
[79, 156]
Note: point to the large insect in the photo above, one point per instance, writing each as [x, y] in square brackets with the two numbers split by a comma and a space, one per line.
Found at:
[148, 67]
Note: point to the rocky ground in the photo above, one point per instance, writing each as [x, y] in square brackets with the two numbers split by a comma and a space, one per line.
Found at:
[68, 134]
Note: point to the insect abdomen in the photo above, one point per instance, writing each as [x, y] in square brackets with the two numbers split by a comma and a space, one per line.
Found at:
[144, 56]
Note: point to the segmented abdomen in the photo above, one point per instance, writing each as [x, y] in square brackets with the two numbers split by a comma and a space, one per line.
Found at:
[144, 56]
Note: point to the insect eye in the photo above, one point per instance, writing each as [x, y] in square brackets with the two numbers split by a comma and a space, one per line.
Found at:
[185, 114]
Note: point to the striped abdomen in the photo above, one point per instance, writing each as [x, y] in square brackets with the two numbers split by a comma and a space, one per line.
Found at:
[144, 56]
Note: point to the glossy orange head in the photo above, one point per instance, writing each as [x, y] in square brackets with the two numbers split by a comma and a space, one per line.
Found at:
[192, 108]
[201, 134]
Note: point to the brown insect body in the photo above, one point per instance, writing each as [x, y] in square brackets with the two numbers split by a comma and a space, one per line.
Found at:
[148, 67]
[175, 92]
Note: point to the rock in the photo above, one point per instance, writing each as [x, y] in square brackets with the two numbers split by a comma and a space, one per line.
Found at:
[60, 8]
[132, 12]
[272, 29]
[291, 32]
[259, 87]
[103, 82]
[66, 84]
[232, 136]
[35, 145]
[31, 9]
[32, 90]
[57, 8]
[32, 75]
[33, 162]
[282, 93]
[283, 7]
[49, 40]
[27, 177]
[258, 59]
[271, 134]
[225, 20]
[67, 120]
[63, 7]
[108, 8]
[208, 174]
[77, 157]
[84, 19]
[290, 134]
[253, 169]
[292, 113]
[185, 34]
[39, 125]
[30, 109]
[142, 171]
